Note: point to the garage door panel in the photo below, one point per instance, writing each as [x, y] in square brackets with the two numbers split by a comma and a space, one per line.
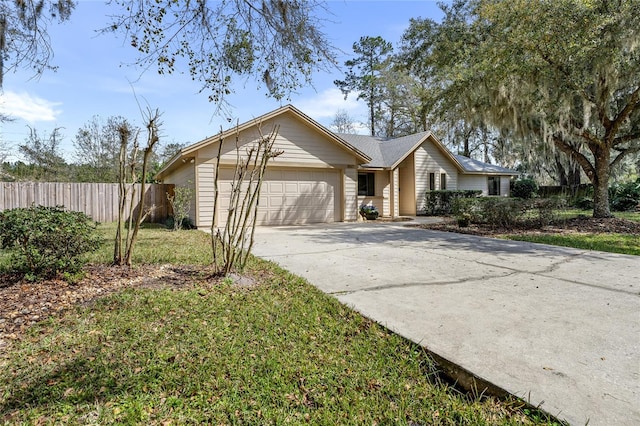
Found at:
[276, 187]
[306, 187]
[291, 188]
[275, 202]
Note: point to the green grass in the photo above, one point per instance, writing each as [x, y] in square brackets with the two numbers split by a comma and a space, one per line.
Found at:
[158, 245]
[608, 242]
[280, 352]
[612, 243]
[571, 213]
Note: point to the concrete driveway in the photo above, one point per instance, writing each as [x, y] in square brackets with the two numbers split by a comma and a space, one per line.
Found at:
[557, 327]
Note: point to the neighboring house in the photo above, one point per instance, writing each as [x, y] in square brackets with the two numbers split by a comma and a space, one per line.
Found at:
[323, 176]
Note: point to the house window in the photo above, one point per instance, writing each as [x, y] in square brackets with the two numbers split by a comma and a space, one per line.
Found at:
[367, 184]
[443, 181]
[432, 181]
[494, 185]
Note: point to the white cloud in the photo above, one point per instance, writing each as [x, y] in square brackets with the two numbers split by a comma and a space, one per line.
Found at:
[326, 103]
[30, 108]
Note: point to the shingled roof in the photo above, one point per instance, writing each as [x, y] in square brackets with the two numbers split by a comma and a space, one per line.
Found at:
[474, 166]
[387, 152]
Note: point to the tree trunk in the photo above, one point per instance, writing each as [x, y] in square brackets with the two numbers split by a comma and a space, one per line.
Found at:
[372, 110]
[600, 181]
[563, 179]
[423, 120]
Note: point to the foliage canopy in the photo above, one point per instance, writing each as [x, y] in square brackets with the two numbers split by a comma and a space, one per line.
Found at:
[279, 42]
[24, 41]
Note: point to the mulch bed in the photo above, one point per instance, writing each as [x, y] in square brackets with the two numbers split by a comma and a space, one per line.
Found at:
[582, 225]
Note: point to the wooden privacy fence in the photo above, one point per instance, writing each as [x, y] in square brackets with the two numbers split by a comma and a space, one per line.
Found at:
[97, 200]
[576, 191]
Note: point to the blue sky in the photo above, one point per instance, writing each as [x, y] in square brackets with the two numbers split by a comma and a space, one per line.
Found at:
[94, 79]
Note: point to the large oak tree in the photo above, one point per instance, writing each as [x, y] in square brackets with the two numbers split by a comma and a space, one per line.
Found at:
[563, 74]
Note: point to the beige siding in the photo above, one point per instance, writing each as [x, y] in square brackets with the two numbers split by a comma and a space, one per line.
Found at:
[383, 187]
[185, 176]
[406, 187]
[350, 194]
[305, 151]
[395, 193]
[301, 145]
[473, 182]
[429, 159]
[206, 194]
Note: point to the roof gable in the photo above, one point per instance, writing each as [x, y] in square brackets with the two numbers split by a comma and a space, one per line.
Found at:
[389, 153]
[190, 150]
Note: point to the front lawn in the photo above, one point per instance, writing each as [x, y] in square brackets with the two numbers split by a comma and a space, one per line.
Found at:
[157, 245]
[590, 239]
[612, 243]
[278, 351]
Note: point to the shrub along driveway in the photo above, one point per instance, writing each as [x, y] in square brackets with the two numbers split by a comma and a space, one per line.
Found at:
[558, 327]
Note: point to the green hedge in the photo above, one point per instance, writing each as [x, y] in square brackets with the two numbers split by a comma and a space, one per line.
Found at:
[507, 212]
[439, 203]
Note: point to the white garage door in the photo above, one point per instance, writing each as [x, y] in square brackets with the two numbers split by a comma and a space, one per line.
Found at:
[291, 197]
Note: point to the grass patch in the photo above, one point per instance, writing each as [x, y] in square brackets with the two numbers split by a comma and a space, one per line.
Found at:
[571, 213]
[280, 352]
[607, 242]
[612, 243]
[159, 245]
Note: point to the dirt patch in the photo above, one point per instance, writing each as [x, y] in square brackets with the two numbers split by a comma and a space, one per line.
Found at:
[581, 225]
[23, 304]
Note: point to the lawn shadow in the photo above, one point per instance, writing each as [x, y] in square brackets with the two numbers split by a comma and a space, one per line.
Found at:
[77, 380]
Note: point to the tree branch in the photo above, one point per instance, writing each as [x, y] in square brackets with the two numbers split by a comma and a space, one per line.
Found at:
[591, 139]
[576, 155]
[632, 104]
[625, 138]
[623, 153]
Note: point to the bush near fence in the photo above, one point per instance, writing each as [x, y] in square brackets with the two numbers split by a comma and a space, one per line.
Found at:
[97, 200]
[571, 192]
